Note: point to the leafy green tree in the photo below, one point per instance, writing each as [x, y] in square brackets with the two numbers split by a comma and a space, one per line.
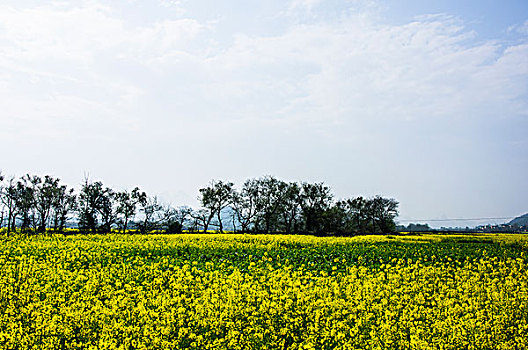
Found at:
[355, 215]
[335, 220]
[382, 212]
[270, 200]
[315, 199]
[91, 200]
[290, 218]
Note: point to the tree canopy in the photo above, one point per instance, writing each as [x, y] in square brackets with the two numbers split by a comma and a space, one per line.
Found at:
[33, 203]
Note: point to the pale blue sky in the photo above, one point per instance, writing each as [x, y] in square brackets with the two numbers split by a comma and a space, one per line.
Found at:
[426, 102]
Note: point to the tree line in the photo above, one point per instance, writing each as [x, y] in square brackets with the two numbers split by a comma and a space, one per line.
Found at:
[34, 203]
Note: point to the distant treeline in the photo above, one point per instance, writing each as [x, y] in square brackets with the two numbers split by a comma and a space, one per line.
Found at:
[34, 203]
[499, 228]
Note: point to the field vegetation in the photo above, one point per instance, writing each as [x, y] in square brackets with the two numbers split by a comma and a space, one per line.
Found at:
[227, 291]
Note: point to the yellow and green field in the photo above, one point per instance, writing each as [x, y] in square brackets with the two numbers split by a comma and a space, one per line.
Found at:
[264, 292]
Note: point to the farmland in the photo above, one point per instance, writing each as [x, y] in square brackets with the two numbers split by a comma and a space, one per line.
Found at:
[230, 291]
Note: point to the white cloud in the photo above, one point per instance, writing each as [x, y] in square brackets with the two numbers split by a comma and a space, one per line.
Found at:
[49, 32]
[324, 73]
[359, 70]
[313, 98]
[174, 5]
[303, 4]
[59, 63]
[520, 28]
[80, 34]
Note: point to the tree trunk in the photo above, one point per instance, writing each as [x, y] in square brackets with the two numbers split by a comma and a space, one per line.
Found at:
[9, 222]
[125, 225]
[42, 224]
[62, 223]
[206, 225]
[92, 225]
[218, 215]
[55, 222]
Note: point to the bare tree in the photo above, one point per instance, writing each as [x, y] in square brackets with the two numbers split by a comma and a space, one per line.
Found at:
[64, 203]
[26, 189]
[215, 197]
[2, 207]
[152, 213]
[108, 210]
[202, 218]
[45, 195]
[245, 205]
[9, 200]
[174, 219]
[127, 203]
[265, 204]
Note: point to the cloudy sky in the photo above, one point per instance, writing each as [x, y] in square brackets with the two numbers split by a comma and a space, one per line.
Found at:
[424, 103]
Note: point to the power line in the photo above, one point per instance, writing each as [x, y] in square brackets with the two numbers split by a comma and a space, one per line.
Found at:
[460, 219]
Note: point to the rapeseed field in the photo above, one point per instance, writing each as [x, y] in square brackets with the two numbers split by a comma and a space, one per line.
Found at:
[263, 292]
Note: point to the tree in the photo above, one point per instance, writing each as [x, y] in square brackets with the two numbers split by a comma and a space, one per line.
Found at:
[45, 196]
[382, 212]
[355, 215]
[26, 188]
[107, 210]
[1, 202]
[9, 199]
[245, 205]
[34, 202]
[182, 215]
[127, 203]
[152, 211]
[64, 203]
[264, 204]
[90, 202]
[335, 220]
[200, 219]
[315, 199]
[291, 208]
[174, 219]
[215, 197]
[270, 195]
[360, 215]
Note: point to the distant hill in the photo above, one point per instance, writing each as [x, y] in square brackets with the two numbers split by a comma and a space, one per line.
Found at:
[520, 220]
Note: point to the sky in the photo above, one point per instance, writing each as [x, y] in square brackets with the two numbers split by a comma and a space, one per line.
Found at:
[425, 103]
